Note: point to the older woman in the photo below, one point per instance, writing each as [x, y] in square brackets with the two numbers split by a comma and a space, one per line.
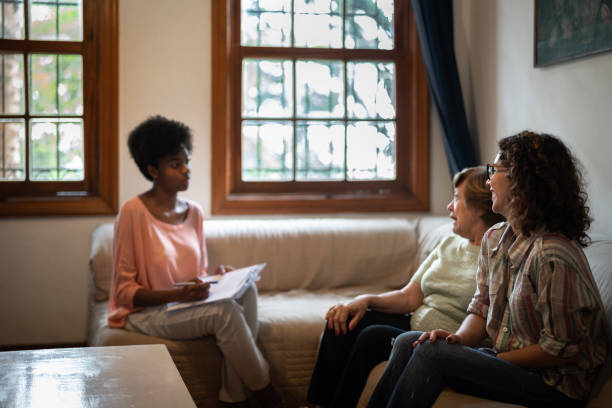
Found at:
[436, 296]
[536, 299]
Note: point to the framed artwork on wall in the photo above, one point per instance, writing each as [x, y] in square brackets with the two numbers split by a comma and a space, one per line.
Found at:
[568, 29]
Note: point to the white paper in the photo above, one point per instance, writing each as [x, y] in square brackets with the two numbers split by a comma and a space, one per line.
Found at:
[230, 285]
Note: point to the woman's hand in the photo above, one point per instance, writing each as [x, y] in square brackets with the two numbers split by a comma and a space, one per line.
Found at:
[198, 291]
[338, 314]
[222, 269]
[438, 334]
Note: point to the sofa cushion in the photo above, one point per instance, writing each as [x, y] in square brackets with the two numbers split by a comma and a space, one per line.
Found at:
[291, 324]
[599, 254]
[317, 253]
[431, 230]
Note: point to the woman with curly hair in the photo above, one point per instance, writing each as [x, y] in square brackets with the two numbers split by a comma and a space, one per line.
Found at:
[158, 242]
[535, 300]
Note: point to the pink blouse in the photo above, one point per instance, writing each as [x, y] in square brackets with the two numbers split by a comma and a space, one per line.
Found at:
[151, 254]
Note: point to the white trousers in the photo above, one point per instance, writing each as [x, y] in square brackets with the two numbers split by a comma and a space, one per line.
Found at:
[233, 323]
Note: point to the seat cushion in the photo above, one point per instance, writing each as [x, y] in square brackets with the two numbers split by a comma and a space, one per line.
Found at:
[291, 324]
[290, 329]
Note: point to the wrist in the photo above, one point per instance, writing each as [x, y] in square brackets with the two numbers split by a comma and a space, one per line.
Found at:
[364, 299]
[178, 295]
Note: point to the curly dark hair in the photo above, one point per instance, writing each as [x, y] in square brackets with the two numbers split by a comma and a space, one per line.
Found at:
[155, 138]
[546, 186]
[476, 193]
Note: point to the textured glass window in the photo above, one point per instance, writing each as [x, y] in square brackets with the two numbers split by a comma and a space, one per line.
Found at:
[317, 119]
[56, 149]
[352, 24]
[12, 137]
[43, 139]
[58, 20]
[12, 19]
[340, 129]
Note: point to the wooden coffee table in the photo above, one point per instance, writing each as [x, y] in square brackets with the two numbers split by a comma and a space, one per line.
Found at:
[120, 376]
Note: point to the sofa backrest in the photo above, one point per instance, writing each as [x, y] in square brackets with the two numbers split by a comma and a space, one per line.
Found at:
[305, 253]
[599, 254]
[318, 253]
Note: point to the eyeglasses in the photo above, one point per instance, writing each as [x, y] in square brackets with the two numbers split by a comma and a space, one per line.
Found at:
[493, 168]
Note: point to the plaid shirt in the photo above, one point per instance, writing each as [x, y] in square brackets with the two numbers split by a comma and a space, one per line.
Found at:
[539, 290]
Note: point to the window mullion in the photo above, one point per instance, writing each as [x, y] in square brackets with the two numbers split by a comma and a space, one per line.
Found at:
[3, 152]
[57, 20]
[3, 76]
[294, 117]
[26, 73]
[57, 151]
[345, 117]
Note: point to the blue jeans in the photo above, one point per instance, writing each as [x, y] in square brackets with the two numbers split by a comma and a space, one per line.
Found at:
[415, 376]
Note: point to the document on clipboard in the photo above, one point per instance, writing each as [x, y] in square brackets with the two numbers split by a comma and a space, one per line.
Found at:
[230, 285]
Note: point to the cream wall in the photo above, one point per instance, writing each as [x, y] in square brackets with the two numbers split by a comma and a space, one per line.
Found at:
[506, 94]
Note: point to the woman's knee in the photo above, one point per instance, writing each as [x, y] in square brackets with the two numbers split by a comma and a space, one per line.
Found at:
[402, 344]
[406, 339]
[439, 351]
[250, 292]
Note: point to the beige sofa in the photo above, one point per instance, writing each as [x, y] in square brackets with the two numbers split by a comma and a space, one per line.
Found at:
[312, 263]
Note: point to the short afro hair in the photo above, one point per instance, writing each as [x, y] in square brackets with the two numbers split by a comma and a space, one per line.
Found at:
[157, 137]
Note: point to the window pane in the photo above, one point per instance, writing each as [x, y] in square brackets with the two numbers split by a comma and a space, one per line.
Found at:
[12, 84]
[267, 151]
[369, 24]
[43, 77]
[266, 23]
[57, 86]
[320, 89]
[370, 152]
[70, 88]
[12, 19]
[371, 93]
[12, 150]
[267, 88]
[320, 151]
[56, 149]
[318, 23]
[59, 20]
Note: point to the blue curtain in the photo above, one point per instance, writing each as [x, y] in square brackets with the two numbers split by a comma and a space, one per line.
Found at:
[434, 20]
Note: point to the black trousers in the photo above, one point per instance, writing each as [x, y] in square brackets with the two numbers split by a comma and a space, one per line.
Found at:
[345, 361]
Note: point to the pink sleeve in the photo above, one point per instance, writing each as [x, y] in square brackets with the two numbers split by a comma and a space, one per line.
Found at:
[125, 250]
[202, 238]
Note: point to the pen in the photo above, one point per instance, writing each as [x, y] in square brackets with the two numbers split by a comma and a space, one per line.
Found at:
[181, 284]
